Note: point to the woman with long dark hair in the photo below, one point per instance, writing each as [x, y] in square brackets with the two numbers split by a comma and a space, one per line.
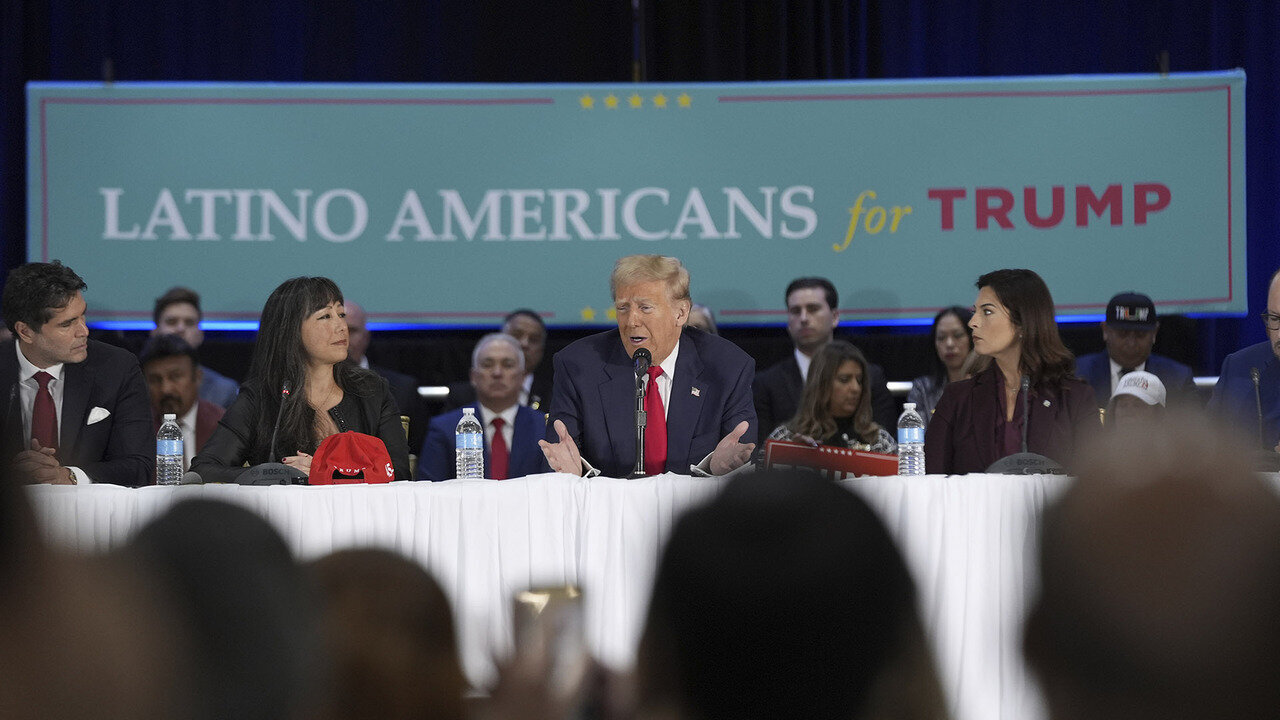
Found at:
[952, 340]
[835, 406]
[300, 373]
[981, 419]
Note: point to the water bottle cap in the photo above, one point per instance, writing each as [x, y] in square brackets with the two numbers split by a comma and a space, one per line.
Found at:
[908, 406]
[170, 416]
[468, 411]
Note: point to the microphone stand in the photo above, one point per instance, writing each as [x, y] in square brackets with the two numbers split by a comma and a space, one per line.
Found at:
[641, 420]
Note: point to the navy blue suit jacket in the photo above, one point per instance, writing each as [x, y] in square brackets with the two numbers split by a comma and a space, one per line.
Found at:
[1179, 382]
[437, 459]
[1234, 399]
[594, 394]
[118, 449]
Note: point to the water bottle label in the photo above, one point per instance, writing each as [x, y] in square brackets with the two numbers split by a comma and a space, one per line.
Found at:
[469, 441]
[910, 435]
[169, 447]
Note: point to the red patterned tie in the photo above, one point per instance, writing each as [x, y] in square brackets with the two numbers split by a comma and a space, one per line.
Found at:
[498, 455]
[655, 429]
[44, 418]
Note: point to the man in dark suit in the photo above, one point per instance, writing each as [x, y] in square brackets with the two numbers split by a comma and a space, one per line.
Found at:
[698, 397]
[812, 315]
[1129, 331]
[172, 370]
[404, 388]
[177, 312]
[511, 430]
[527, 328]
[77, 409]
[1254, 404]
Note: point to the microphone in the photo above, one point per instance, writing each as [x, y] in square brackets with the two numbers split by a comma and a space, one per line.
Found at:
[641, 360]
[1257, 401]
[191, 477]
[1265, 459]
[274, 473]
[1026, 463]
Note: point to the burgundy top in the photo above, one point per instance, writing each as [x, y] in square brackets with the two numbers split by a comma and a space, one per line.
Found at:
[1008, 432]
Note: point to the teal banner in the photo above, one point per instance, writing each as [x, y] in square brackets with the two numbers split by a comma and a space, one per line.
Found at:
[452, 204]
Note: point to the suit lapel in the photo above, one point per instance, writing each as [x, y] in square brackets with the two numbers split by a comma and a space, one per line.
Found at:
[683, 408]
[618, 398]
[795, 381]
[75, 405]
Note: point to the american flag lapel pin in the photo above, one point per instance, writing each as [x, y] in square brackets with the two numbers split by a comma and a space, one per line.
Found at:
[695, 392]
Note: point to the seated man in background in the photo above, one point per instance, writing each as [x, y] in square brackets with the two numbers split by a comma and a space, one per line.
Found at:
[1248, 389]
[404, 388]
[77, 409]
[1129, 331]
[172, 370]
[527, 327]
[1160, 579]
[511, 430]
[812, 315]
[177, 312]
[698, 401]
[701, 317]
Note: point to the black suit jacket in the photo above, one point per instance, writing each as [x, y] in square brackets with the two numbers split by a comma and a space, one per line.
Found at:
[117, 449]
[777, 396]
[404, 390]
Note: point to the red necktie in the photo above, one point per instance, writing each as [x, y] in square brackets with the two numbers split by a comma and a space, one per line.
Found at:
[498, 455]
[44, 418]
[655, 429]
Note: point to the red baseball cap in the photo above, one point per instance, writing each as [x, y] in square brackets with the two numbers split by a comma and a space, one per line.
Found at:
[351, 457]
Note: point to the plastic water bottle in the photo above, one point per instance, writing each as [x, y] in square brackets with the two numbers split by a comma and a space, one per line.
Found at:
[910, 441]
[169, 452]
[469, 446]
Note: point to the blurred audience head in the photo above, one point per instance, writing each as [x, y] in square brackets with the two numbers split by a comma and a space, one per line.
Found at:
[234, 582]
[177, 312]
[835, 389]
[812, 312]
[701, 317]
[1160, 579]
[1138, 401]
[357, 331]
[497, 371]
[389, 635]
[784, 597]
[952, 341]
[172, 370]
[527, 327]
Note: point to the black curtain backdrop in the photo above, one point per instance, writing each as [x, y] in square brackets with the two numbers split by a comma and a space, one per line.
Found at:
[683, 40]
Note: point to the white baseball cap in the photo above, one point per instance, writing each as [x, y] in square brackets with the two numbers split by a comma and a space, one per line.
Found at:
[1142, 385]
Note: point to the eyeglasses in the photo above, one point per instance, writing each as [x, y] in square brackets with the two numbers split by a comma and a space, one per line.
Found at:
[1271, 321]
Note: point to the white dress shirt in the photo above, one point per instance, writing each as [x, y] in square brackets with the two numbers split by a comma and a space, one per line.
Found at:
[1115, 371]
[508, 429]
[803, 361]
[28, 386]
[187, 424]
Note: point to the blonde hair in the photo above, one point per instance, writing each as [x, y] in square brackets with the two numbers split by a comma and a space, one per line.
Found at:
[644, 268]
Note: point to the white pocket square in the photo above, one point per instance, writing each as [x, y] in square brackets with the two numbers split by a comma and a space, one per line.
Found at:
[98, 414]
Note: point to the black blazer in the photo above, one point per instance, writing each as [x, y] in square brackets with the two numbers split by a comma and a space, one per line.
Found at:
[236, 440]
[961, 437]
[117, 449]
[777, 396]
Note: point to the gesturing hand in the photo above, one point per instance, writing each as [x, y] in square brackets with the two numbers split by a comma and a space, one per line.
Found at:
[562, 456]
[730, 453]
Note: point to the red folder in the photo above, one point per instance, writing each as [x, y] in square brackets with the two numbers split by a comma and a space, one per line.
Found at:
[836, 463]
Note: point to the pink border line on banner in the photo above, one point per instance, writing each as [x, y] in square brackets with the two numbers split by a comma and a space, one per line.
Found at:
[44, 102]
[1014, 94]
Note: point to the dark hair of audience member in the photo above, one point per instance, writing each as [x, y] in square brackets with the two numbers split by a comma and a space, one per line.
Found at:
[813, 418]
[175, 296]
[527, 313]
[1160, 581]
[279, 357]
[32, 291]
[390, 639]
[820, 283]
[936, 368]
[251, 616]
[1023, 293]
[784, 597]
[159, 347]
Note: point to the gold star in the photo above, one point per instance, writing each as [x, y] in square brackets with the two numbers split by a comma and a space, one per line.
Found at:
[587, 102]
[588, 314]
[611, 101]
[684, 100]
[635, 100]
[660, 100]
[612, 314]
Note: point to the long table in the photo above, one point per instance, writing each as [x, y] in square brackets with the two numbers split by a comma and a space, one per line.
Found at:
[969, 542]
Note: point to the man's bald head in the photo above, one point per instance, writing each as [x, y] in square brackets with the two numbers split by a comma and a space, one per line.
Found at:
[1160, 572]
[357, 331]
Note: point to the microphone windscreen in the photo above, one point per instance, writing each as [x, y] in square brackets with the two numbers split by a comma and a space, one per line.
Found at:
[191, 477]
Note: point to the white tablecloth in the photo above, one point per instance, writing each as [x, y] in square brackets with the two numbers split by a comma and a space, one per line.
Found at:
[968, 540]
